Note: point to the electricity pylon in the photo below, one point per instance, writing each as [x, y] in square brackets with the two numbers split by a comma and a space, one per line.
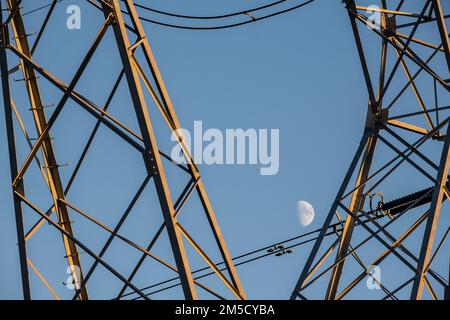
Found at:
[143, 83]
[391, 202]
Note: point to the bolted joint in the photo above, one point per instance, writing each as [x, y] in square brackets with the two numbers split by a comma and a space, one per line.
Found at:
[388, 25]
[371, 115]
[376, 116]
[347, 4]
[17, 183]
[111, 19]
[382, 116]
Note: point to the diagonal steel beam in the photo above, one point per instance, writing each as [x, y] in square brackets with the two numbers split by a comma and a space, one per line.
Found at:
[432, 221]
[80, 244]
[356, 204]
[13, 165]
[312, 257]
[437, 6]
[201, 190]
[44, 141]
[152, 157]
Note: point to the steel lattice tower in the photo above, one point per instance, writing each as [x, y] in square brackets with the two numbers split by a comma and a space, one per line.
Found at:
[147, 91]
[392, 213]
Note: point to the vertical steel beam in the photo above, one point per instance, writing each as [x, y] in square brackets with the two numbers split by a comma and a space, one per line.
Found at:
[152, 157]
[358, 197]
[356, 204]
[440, 19]
[352, 7]
[432, 221]
[4, 38]
[375, 121]
[201, 190]
[312, 256]
[50, 161]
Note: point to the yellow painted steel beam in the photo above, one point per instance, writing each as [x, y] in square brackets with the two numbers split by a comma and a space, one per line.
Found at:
[50, 161]
[357, 202]
[408, 127]
[170, 116]
[208, 260]
[153, 160]
[432, 221]
[44, 281]
[386, 11]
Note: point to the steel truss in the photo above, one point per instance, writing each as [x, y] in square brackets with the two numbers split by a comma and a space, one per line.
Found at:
[120, 18]
[407, 123]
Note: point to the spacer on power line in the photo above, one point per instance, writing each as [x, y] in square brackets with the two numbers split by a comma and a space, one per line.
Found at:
[280, 250]
[249, 15]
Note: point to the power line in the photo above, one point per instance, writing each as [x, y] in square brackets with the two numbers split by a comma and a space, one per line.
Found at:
[227, 26]
[265, 255]
[222, 269]
[228, 15]
[40, 8]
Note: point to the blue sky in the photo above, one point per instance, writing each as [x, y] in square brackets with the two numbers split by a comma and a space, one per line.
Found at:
[298, 73]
